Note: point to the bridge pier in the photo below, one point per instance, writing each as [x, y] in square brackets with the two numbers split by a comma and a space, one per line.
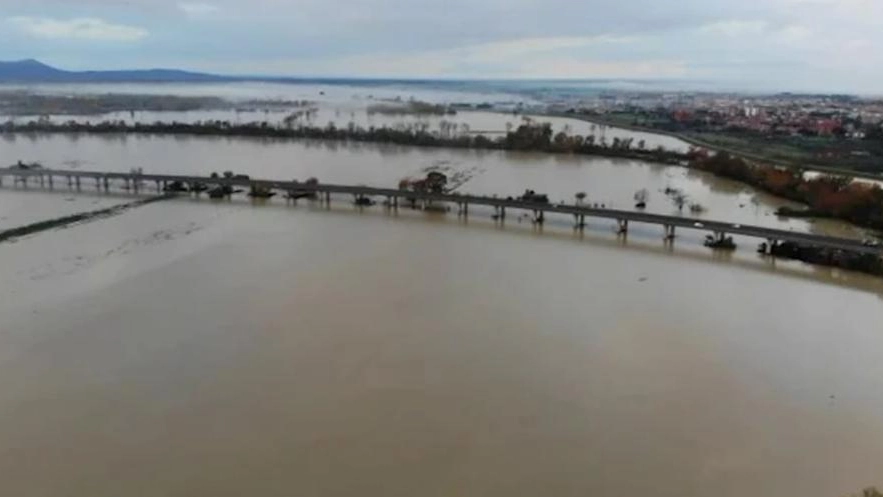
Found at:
[500, 212]
[716, 230]
[158, 186]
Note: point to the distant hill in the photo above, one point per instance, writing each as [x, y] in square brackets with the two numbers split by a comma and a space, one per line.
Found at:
[33, 71]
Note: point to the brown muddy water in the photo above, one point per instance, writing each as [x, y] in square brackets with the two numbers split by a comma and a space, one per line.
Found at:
[198, 348]
[192, 348]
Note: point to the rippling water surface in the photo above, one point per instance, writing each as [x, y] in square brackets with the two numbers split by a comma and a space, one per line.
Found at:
[191, 347]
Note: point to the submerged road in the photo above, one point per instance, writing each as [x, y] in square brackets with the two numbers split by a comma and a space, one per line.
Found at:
[717, 228]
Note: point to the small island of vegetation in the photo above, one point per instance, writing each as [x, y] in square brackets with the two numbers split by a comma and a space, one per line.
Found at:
[412, 107]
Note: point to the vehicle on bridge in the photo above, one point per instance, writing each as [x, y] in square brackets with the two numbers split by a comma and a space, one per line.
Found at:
[25, 166]
[434, 182]
[534, 197]
[296, 193]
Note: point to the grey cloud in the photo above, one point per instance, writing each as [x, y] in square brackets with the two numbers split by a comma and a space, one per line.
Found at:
[707, 38]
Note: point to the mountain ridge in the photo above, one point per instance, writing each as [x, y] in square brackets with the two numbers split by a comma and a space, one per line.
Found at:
[34, 71]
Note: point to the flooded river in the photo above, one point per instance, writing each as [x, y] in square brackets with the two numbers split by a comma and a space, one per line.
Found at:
[22, 207]
[611, 182]
[343, 105]
[492, 124]
[191, 347]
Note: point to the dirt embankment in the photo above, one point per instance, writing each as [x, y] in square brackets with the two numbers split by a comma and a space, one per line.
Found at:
[76, 218]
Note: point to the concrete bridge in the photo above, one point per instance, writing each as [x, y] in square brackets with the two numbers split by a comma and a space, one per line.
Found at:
[48, 178]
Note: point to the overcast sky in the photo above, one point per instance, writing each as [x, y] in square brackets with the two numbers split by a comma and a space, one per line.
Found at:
[830, 45]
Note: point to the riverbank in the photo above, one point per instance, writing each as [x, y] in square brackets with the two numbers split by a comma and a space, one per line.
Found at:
[825, 196]
[692, 140]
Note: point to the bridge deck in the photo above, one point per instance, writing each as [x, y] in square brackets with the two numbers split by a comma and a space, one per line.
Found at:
[498, 202]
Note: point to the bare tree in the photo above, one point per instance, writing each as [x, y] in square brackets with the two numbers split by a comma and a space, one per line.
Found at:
[680, 200]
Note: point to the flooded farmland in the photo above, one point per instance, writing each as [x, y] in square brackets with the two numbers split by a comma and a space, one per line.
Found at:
[191, 347]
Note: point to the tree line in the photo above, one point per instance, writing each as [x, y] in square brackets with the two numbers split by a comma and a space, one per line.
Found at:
[530, 136]
[831, 196]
